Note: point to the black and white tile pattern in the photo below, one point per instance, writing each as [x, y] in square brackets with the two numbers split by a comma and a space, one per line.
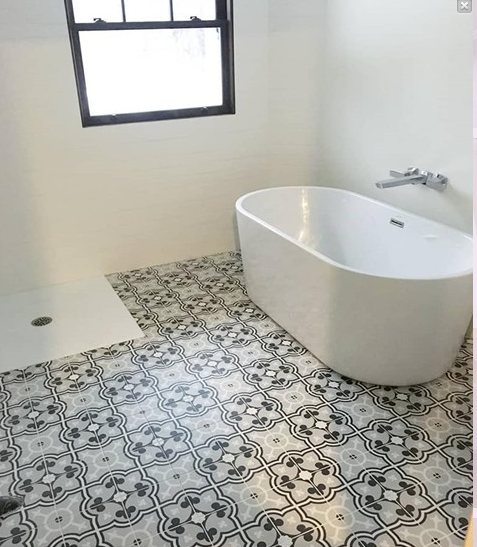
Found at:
[219, 429]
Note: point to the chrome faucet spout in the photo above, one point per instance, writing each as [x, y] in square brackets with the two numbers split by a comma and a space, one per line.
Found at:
[413, 175]
[401, 181]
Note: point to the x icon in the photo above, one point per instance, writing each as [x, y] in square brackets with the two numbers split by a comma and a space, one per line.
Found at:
[464, 5]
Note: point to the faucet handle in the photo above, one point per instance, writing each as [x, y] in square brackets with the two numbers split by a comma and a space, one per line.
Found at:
[408, 173]
[436, 181]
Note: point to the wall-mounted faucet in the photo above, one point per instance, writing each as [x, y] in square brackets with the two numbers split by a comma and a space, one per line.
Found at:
[413, 175]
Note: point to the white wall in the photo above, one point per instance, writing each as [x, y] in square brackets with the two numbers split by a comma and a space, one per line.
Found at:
[394, 91]
[398, 92]
[296, 56]
[474, 71]
[79, 202]
[474, 52]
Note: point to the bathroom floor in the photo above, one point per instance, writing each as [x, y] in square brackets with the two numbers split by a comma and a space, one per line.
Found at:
[219, 429]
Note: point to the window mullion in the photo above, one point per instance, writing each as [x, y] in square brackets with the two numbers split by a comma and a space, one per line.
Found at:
[221, 9]
[171, 9]
[123, 10]
[228, 84]
[79, 74]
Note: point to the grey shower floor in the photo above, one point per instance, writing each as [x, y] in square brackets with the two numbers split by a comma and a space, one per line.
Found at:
[219, 429]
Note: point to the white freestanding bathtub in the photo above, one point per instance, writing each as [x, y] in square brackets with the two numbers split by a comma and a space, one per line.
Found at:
[376, 293]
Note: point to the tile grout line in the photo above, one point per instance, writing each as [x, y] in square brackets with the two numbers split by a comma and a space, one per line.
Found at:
[84, 486]
[43, 457]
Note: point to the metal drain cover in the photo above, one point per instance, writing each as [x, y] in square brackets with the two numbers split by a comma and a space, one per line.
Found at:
[41, 321]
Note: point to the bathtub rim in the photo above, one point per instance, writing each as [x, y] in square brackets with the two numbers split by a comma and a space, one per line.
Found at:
[240, 208]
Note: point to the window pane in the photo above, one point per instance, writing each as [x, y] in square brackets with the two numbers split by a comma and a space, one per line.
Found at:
[86, 11]
[185, 9]
[148, 10]
[147, 70]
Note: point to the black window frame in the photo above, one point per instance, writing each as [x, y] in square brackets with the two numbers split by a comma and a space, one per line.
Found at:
[223, 21]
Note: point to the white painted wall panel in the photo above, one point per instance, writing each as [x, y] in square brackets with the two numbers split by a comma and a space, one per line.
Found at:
[330, 93]
[80, 202]
[296, 55]
[398, 92]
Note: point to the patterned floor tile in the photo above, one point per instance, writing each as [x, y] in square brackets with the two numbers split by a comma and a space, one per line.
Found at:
[168, 378]
[435, 475]
[247, 355]
[458, 406]
[383, 538]
[432, 529]
[274, 441]
[251, 530]
[363, 410]
[218, 429]
[402, 401]
[338, 522]
[17, 393]
[74, 403]
[438, 424]
[232, 384]
[397, 441]
[457, 449]
[240, 524]
[19, 530]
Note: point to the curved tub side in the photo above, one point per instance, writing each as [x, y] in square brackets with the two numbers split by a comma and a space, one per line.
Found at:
[349, 231]
[374, 329]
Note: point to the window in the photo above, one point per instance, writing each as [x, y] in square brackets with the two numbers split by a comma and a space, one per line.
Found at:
[141, 60]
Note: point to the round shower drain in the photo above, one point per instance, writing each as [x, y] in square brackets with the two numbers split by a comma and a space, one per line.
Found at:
[41, 321]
